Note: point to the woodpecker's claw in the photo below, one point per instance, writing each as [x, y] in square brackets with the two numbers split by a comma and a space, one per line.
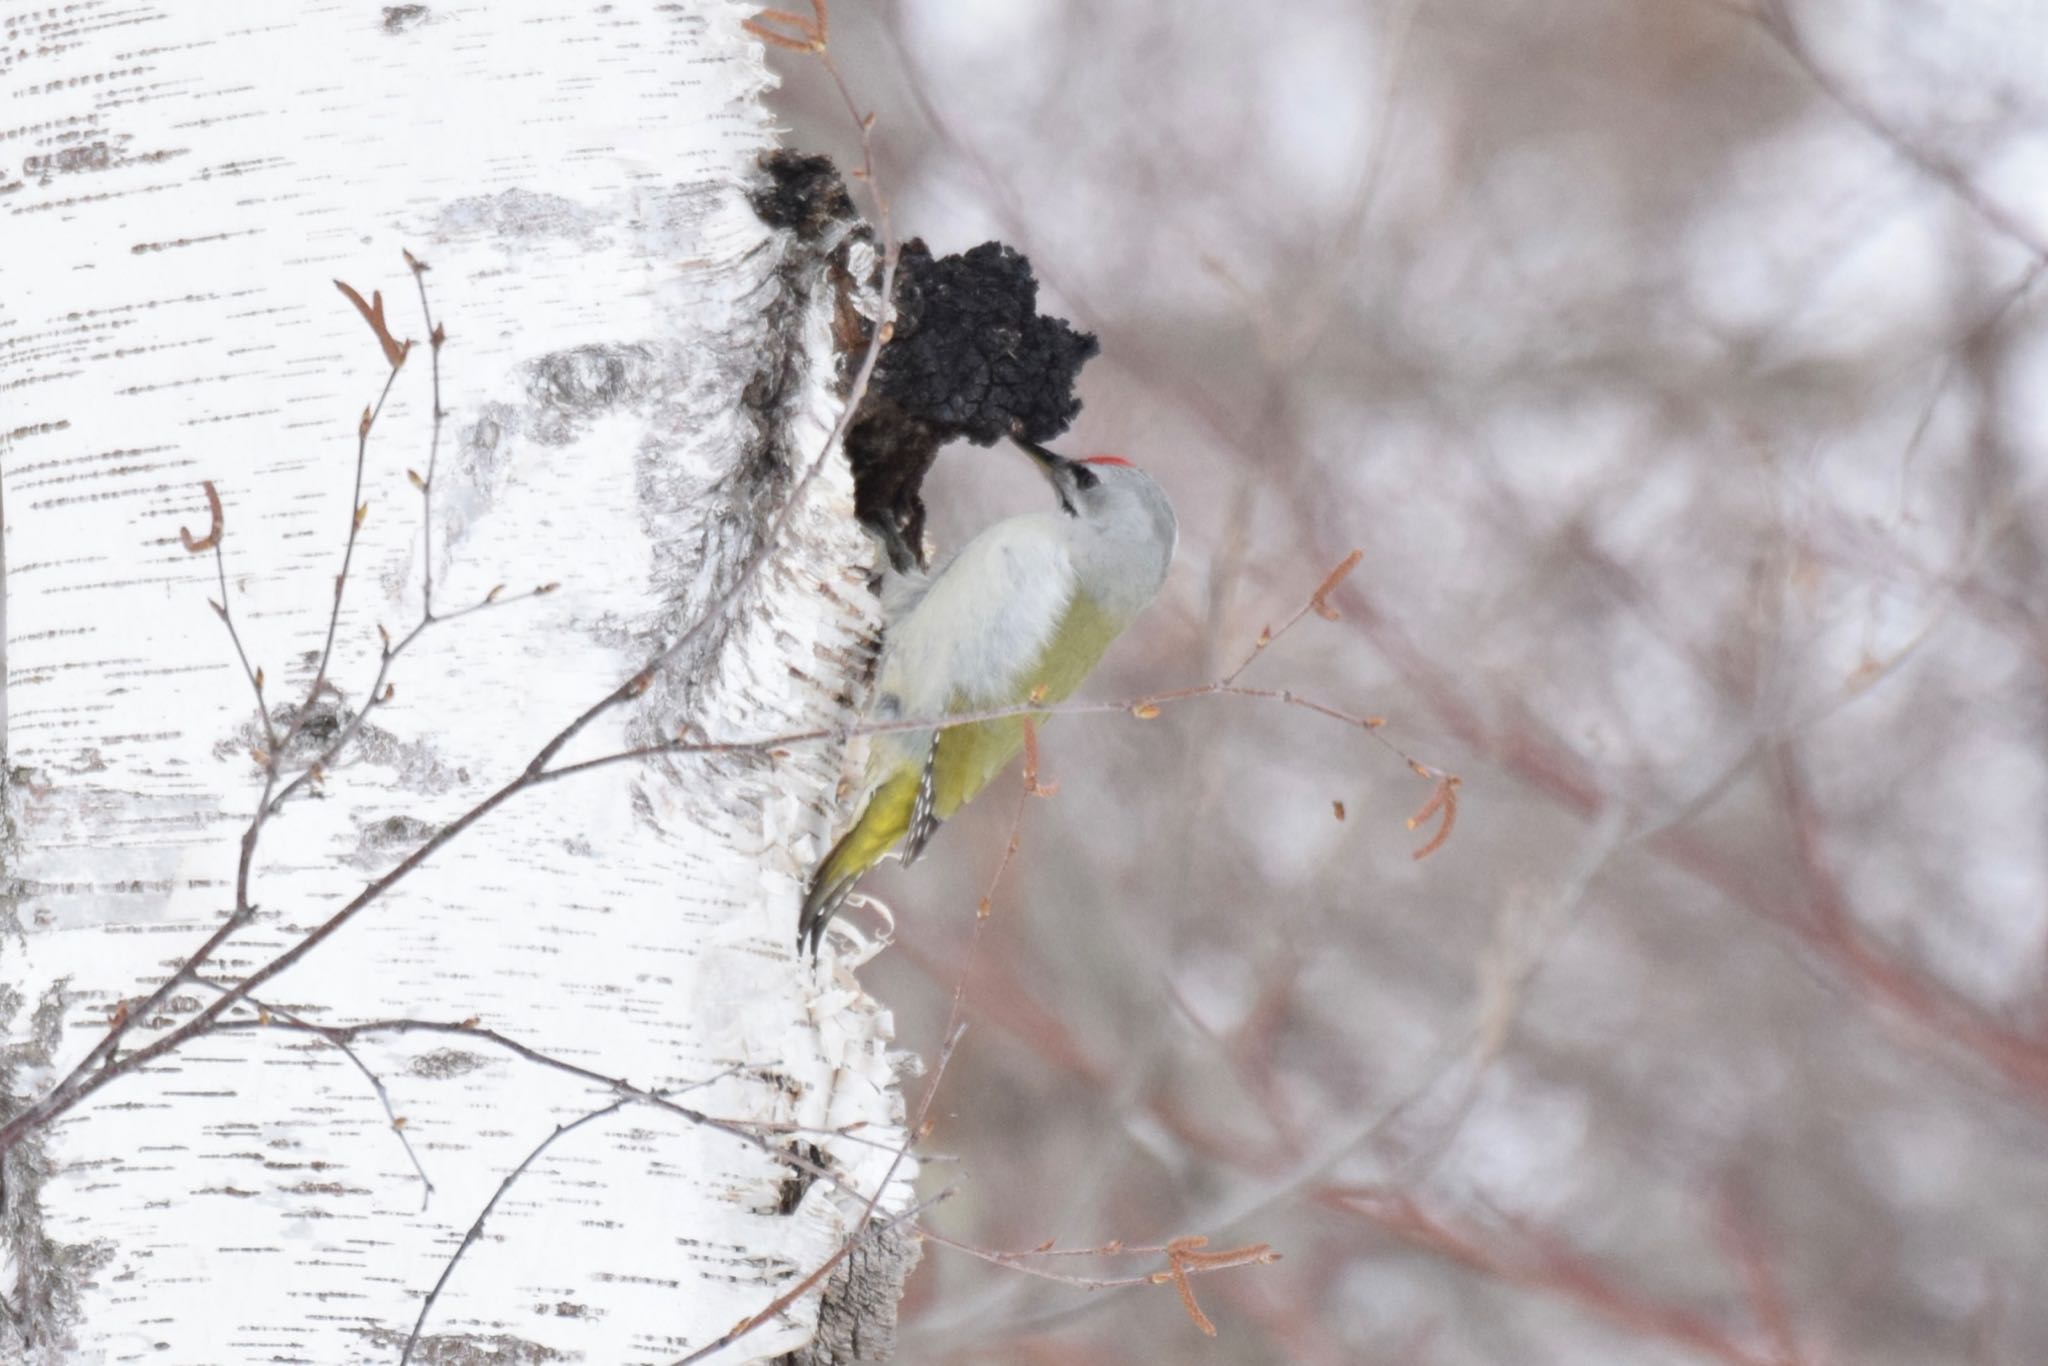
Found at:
[819, 907]
[903, 556]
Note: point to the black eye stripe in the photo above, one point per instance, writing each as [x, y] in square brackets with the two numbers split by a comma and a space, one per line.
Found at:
[1085, 478]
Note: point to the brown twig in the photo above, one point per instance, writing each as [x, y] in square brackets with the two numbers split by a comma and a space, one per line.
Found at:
[476, 1227]
[358, 512]
[986, 905]
[1445, 799]
[267, 1014]
[812, 36]
[436, 338]
[1185, 1259]
[748, 1132]
[1318, 602]
[381, 692]
[225, 612]
[195, 545]
[1144, 705]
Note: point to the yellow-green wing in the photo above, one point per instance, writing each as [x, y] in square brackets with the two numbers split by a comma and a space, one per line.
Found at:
[970, 755]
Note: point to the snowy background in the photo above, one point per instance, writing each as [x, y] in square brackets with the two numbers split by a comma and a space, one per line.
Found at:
[1680, 371]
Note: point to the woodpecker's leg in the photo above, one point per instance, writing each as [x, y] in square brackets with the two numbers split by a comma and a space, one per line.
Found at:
[901, 550]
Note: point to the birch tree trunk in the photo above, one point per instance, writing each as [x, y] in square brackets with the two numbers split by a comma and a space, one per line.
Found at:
[637, 373]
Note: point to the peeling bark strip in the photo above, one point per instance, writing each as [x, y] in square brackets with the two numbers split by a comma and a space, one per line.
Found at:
[634, 366]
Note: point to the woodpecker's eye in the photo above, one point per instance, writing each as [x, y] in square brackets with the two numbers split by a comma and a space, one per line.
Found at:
[1084, 478]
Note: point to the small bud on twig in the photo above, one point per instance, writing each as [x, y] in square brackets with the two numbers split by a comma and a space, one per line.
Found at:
[373, 314]
[1444, 799]
[1320, 598]
[195, 545]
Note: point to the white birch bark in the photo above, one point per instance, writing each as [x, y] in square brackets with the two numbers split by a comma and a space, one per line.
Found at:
[637, 371]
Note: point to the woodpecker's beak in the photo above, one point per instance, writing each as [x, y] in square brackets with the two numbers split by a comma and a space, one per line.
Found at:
[1051, 464]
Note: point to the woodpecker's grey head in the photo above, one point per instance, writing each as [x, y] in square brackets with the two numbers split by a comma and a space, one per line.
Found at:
[1123, 529]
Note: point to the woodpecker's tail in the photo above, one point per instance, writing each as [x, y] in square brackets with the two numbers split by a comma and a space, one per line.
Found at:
[884, 821]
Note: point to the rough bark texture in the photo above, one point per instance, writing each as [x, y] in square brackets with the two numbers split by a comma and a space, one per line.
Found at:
[857, 1318]
[637, 371]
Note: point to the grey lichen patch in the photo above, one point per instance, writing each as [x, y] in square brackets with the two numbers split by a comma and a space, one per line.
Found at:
[379, 840]
[39, 1304]
[483, 452]
[443, 1063]
[567, 388]
[399, 18]
[318, 739]
[98, 155]
[516, 213]
[565, 392]
[417, 763]
[335, 1188]
[466, 1349]
[483, 441]
[311, 737]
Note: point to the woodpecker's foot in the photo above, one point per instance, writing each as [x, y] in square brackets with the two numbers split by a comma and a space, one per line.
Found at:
[819, 908]
[903, 556]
